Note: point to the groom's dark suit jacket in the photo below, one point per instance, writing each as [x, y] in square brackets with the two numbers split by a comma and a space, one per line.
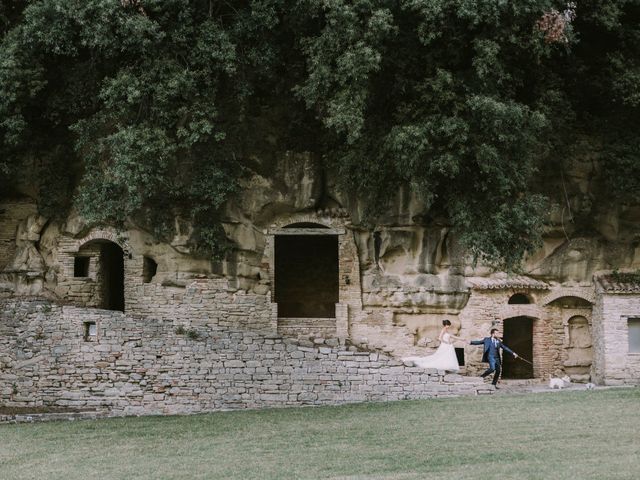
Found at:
[490, 350]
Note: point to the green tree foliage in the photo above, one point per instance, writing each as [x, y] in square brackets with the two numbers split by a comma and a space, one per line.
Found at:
[605, 92]
[149, 110]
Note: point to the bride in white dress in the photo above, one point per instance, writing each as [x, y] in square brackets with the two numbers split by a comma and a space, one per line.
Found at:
[444, 357]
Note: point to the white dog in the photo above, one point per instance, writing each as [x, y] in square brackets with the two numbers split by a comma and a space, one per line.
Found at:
[590, 386]
[559, 383]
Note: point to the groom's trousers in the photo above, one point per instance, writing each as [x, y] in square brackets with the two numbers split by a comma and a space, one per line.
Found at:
[494, 366]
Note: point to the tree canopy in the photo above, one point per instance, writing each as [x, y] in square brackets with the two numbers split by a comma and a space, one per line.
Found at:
[148, 109]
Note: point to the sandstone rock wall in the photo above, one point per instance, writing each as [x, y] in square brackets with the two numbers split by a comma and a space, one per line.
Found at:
[11, 214]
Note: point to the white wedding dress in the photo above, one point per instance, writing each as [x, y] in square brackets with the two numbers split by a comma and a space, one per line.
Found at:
[444, 357]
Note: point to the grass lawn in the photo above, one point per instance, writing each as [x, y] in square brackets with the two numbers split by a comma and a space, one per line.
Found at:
[564, 435]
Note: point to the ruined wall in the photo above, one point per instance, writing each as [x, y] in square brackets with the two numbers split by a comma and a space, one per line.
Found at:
[85, 290]
[142, 365]
[204, 301]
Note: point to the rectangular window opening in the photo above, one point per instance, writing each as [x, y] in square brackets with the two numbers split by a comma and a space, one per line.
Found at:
[460, 355]
[81, 266]
[634, 335]
[90, 331]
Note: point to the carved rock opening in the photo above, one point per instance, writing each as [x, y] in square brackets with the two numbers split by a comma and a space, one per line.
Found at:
[112, 276]
[149, 269]
[306, 275]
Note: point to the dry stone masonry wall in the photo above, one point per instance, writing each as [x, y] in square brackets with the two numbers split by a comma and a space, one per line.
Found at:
[137, 365]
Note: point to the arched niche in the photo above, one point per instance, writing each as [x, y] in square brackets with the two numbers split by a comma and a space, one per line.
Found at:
[108, 271]
[519, 299]
[586, 295]
[579, 333]
[571, 302]
[579, 346]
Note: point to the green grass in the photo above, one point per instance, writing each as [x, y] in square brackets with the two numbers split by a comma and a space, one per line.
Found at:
[564, 435]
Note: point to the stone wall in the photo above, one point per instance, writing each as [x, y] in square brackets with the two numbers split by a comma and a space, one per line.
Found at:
[212, 301]
[204, 302]
[84, 290]
[614, 365]
[599, 349]
[137, 365]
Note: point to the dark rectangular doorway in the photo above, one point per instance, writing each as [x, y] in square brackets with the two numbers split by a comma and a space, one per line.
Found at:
[112, 273]
[518, 336]
[306, 275]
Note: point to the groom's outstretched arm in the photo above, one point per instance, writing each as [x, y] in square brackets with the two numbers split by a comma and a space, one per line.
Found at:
[504, 347]
[476, 342]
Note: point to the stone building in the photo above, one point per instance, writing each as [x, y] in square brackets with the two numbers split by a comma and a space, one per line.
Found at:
[310, 306]
[616, 325]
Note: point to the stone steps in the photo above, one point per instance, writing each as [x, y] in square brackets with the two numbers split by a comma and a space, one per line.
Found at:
[51, 417]
[522, 382]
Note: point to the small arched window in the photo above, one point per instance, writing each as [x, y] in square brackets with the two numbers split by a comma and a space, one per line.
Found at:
[519, 299]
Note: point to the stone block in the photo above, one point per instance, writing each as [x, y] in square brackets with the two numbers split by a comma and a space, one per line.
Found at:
[234, 364]
[307, 397]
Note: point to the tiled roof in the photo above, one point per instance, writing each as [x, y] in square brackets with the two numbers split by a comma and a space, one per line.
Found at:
[516, 281]
[621, 283]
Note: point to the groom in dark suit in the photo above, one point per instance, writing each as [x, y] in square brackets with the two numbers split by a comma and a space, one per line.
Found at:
[491, 354]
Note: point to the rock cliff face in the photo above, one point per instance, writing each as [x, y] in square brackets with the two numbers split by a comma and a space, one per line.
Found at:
[386, 289]
[404, 264]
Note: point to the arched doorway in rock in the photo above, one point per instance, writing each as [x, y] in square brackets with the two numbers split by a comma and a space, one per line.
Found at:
[306, 271]
[518, 336]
